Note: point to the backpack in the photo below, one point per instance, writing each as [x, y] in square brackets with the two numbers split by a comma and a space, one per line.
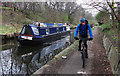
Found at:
[86, 26]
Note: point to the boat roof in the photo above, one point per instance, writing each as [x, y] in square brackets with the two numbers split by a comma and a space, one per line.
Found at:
[32, 25]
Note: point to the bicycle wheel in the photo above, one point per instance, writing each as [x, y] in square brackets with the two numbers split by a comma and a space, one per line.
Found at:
[83, 57]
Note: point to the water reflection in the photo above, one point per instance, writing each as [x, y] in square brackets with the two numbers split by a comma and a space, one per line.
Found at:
[27, 59]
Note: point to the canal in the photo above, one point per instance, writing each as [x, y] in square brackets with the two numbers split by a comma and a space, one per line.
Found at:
[17, 59]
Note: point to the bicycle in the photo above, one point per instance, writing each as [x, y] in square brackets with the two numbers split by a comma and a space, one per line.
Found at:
[83, 48]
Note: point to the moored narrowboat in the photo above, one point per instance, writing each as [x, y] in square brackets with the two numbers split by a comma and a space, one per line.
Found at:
[32, 34]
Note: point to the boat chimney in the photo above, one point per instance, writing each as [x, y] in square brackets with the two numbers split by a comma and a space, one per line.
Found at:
[39, 24]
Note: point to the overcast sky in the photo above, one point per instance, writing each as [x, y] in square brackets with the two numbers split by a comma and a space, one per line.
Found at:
[90, 9]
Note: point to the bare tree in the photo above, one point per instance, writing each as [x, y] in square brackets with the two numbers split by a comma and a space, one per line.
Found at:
[71, 8]
[108, 6]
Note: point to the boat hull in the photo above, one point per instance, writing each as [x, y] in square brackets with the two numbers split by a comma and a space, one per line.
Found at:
[44, 39]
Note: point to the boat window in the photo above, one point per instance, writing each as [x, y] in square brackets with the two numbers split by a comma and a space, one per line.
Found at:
[57, 29]
[60, 29]
[26, 30]
[47, 31]
[23, 31]
[63, 29]
[35, 30]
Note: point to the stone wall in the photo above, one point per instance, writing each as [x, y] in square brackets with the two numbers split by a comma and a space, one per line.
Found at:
[113, 55]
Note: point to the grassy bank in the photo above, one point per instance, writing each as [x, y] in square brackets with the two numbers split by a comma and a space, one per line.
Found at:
[12, 21]
[9, 29]
[113, 32]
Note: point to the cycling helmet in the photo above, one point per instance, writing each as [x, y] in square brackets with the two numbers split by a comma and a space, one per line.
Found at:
[82, 20]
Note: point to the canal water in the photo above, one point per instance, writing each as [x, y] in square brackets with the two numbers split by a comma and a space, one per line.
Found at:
[17, 59]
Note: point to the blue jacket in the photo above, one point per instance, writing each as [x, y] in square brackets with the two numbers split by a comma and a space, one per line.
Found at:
[83, 30]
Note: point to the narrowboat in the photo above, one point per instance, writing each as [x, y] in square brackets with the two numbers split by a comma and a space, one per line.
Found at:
[32, 34]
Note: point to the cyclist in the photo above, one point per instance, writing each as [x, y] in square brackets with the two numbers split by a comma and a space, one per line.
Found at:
[83, 33]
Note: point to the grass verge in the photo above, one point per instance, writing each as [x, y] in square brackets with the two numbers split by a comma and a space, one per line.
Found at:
[7, 29]
[113, 32]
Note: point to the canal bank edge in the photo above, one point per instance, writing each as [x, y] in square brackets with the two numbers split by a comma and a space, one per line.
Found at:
[112, 54]
[9, 36]
[65, 52]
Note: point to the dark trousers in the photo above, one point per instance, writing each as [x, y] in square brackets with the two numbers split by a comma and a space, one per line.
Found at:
[85, 42]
